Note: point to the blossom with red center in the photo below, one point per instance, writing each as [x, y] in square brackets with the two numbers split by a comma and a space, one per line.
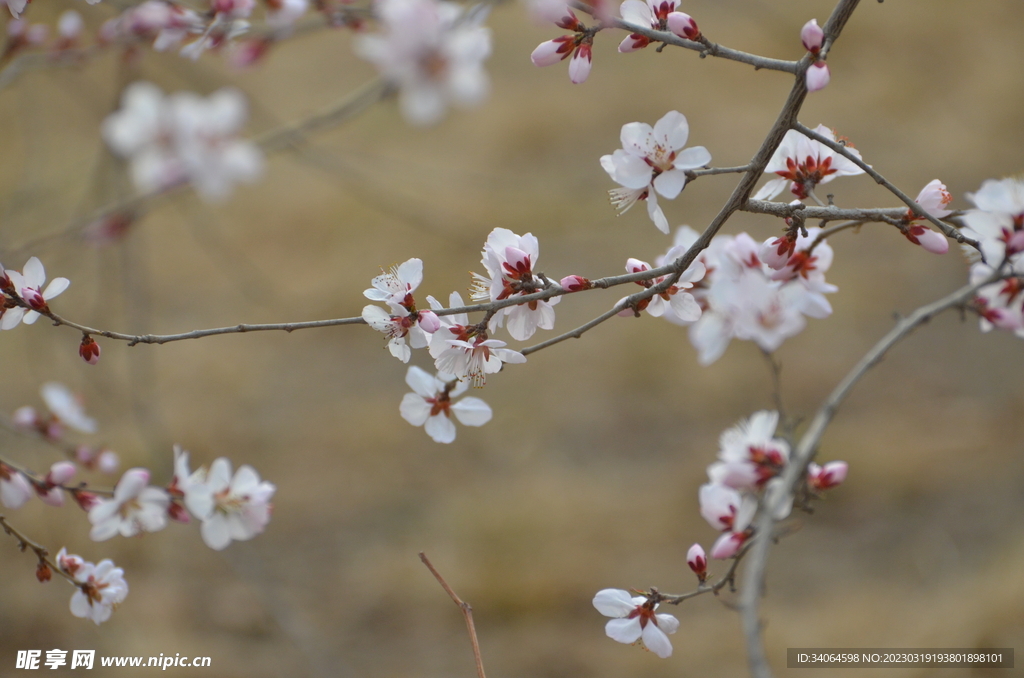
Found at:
[674, 301]
[802, 164]
[15, 490]
[510, 260]
[998, 222]
[395, 287]
[28, 285]
[402, 325]
[476, 358]
[660, 15]
[826, 477]
[933, 199]
[749, 454]
[653, 161]
[635, 619]
[432, 404]
[101, 587]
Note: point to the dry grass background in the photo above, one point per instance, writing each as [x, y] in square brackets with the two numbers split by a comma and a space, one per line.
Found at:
[587, 477]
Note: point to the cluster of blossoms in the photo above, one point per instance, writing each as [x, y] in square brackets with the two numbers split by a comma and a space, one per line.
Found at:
[998, 226]
[169, 140]
[433, 52]
[803, 163]
[24, 296]
[750, 291]
[101, 586]
[751, 460]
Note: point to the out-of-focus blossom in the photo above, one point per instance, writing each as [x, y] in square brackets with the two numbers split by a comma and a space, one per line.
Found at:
[432, 404]
[232, 507]
[101, 588]
[653, 161]
[698, 562]
[432, 52]
[135, 507]
[66, 407]
[14, 488]
[635, 619]
[812, 36]
[817, 76]
[803, 163]
[826, 477]
[183, 137]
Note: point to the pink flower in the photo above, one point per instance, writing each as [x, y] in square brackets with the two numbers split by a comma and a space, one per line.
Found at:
[231, 507]
[725, 509]
[653, 160]
[432, 405]
[802, 164]
[933, 199]
[635, 619]
[134, 508]
[674, 301]
[577, 46]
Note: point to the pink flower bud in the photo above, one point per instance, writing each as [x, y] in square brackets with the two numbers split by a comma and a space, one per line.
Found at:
[818, 76]
[16, 28]
[931, 241]
[683, 25]
[728, 545]
[178, 513]
[517, 262]
[69, 25]
[60, 473]
[633, 42]
[85, 455]
[15, 490]
[698, 562]
[636, 266]
[429, 322]
[812, 36]
[25, 417]
[828, 476]
[89, 350]
[574, 283]
[579, 66]
[775, 252]
[553, 51]
[86, 500]
[37, 34]
[53, 496]
[33, 298]
[108, 462]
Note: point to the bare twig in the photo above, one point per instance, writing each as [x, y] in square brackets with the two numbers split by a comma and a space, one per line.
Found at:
[945, 228]
[467, 612]
[24, 543]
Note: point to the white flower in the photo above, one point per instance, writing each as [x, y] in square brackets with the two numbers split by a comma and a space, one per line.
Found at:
[454, 326]
[396, 286]
[673, 302]
[509, 259]
[101, 587]
[431, 405]
[29, 286]
[803, 163]
[659, 15]
[750, 454]
[998, 223]
[400, 326]
[635, 619]
[183, 137]
[652, 160]
[475, 358]
[231, 507]
[134, 508]
[67, 407]
[432, 53]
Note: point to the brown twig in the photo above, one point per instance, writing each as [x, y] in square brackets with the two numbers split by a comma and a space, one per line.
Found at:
[467, 612]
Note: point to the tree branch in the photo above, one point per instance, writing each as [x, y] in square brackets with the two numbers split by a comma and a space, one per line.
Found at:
[467, 612]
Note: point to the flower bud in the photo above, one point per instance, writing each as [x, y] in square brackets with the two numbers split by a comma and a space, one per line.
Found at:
[108, 462]
[812, 36]
[818, 76]
[429, 322]
[698, 562]
[178, 513]
[89, 350]
[933, 198]
[43, 572]
[579, 67]
[775, 252]
[683, 25]
[25, 417]
[552, 51]
[931, 241]
[69, 25]
[728, 545]
[828, 476]
[574, 283]
[60, 473]
[86, 500]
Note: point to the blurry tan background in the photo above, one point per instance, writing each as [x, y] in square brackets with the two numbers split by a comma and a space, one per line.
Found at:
[587, 477]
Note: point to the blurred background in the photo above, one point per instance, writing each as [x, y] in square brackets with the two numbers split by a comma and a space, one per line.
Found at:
[587, 476]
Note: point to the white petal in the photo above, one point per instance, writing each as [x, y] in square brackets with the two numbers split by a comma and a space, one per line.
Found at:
[623, 630]
[414, 409]
[692, 158]
[440, 428]
[472, 412]
[422, 382]
[669, 184]
[673, 129]
[656, 641]
[614, 602]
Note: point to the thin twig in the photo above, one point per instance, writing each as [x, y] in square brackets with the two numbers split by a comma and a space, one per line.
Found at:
[918, 211]
[467, 612]
[24, 543]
